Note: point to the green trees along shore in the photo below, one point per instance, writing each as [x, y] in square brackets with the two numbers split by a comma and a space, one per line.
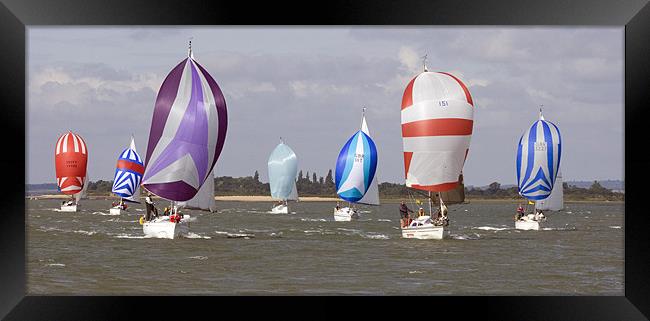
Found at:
[310, 184]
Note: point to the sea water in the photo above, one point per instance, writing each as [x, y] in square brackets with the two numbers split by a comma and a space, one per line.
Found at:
[580, 251]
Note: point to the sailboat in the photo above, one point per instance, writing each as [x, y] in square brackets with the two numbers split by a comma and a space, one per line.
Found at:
[71, 159]
[128, 173]
[187, 134]
[437, 122]
[283, 168]
[555, 201]
[538, 163]
[204, 199]
[356, 179]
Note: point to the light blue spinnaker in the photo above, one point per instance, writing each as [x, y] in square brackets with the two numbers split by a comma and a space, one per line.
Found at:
[283, 169]
[538, 159]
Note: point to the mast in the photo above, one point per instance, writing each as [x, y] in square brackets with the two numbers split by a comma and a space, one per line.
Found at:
[430, 205]
[424, 62]
[189, 49]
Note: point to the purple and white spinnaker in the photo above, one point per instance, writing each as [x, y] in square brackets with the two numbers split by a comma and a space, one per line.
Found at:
[188, 130]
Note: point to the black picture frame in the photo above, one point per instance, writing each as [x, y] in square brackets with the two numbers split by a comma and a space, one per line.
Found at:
[17, 15]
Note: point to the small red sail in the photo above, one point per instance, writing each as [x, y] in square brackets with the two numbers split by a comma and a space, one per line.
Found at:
[70, 158]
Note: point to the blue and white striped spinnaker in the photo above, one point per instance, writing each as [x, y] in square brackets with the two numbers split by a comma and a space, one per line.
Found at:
[283, 169]
[538, 159]
[356, 167]
[128, 172]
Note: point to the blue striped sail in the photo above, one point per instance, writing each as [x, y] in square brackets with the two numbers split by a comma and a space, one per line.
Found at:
[283, 167]
[538, 160]
[128, 172]
[355, 167]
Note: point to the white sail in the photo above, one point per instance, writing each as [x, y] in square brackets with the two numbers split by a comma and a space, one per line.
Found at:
[555, 201]
[293, 196]
[204, 198]
[83, 193]
[372, 195]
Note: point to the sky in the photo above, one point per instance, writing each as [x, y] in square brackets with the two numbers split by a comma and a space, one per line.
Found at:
[308, 85]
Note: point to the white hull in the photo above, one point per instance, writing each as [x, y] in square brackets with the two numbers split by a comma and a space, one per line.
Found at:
[345, 214]
[422, 228]
[69, 208]
[528, 225]
[280, 209]
[162, 228]
[116, 211]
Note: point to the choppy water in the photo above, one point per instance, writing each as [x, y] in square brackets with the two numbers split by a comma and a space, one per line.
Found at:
[581, 252]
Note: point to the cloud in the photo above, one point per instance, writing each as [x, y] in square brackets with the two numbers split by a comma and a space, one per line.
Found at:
[312, 94]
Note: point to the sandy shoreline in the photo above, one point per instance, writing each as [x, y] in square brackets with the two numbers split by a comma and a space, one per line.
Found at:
[259, 198]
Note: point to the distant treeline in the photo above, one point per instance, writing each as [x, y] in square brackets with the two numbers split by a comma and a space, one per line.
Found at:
[310, 184]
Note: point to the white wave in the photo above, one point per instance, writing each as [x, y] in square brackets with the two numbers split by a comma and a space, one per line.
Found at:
[313, 231]
[255, 231]
[85, 232]
[383, 220]
[376, 236]
[566, 228]
[221, 232]
[348, 230]
[198, 257]
[102, 213]
[313, 220]
[189, 219]
[489, 228]
[240, 235]
[54, 229]
[615, 226]
[414, 272]
[139, 210]
[465, 237]
[191, 235]
[56, 264]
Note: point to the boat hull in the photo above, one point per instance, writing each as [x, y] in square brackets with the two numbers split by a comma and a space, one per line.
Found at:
[69, 208]
[163, 228]
[345, 214]
[425, 232]
[280, 209]
[528, 225]
[116, 211]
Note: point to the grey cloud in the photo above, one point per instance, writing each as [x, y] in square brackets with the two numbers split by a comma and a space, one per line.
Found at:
[313, 98]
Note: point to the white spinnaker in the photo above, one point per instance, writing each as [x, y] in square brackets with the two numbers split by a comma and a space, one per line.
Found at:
[435, 159]
[555, 201]
[372, 195]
